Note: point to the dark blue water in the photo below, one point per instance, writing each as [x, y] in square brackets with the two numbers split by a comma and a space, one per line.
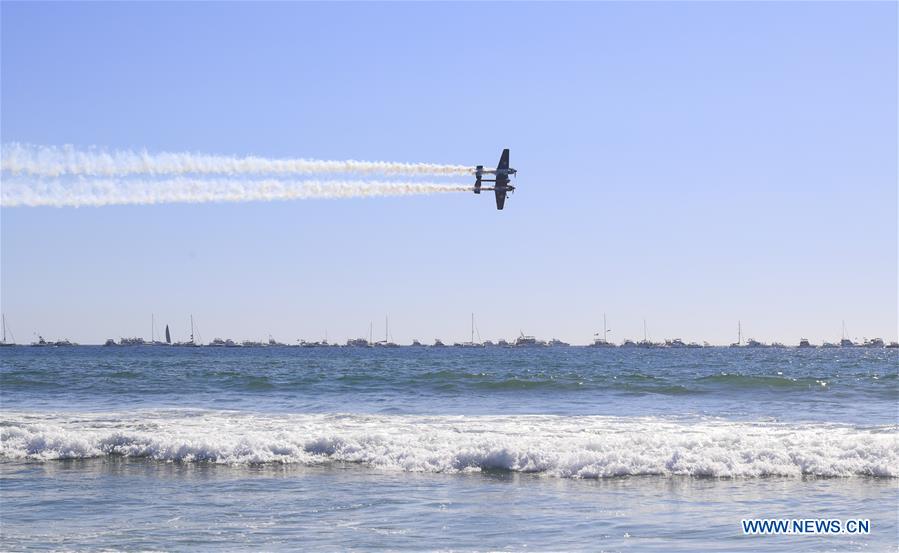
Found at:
[423, 448]
[836, 385]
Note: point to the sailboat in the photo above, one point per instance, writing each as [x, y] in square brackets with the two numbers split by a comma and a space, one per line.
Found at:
[3, 342]
[192, 343]
[153, 340]
[471, 343]
[739, 342]
[386, 343]
[602, 342]
[645, 343]
[844, 341]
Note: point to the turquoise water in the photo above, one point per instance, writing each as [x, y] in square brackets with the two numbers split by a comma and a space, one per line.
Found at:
[336, 448]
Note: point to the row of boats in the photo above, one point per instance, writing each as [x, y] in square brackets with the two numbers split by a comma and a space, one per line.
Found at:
[523, 341]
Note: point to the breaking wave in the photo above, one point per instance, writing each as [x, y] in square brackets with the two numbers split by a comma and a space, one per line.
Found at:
[560, 446]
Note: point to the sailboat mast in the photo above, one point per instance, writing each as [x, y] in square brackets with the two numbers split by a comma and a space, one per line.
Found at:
[386, 328]
[4, 328]
[152, 328]
[605, 329]
[191, 329]
[472, 328]
[739, 333]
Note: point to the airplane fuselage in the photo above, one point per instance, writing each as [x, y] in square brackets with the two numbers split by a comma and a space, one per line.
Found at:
[500, 181]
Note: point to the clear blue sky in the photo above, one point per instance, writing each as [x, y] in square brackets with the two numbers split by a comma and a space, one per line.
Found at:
[688, 163]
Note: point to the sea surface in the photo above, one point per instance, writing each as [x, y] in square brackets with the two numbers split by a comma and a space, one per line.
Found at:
[323, 449]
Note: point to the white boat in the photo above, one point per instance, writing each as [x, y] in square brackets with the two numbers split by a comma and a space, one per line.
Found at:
[272, 342]
[844, 341]
[524, 341]
[471, 343]
[602, 341]
[191, 343]
[386, 342]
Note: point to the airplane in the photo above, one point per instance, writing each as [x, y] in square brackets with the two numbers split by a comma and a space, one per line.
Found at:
[501, 184]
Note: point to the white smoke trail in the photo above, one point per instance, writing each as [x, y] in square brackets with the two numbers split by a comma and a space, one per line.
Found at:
[94, 192]
[50, 161]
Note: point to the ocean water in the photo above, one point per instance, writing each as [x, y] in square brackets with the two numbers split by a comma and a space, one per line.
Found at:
[442, 448]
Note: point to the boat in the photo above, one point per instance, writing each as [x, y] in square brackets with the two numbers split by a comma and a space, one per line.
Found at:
[438, 343]
[131, 342]
[191, 343]
[804, 343]
[503, 344]
[829, 345]
[153, 340]
[846, 342]
[555, 342]
[524, 341]
[675, 343]
[110, 342]
[386, 343]
[602, 341]
[252, 344]
[873, 343]
[646, 342]
[3, 342]
[416, 343]
[471, 343]
[316, 344]
[739, 342]
[696, 345]
[41, 342]
[629, 344]
[755, 344]
[892, 345]
[777, 345]
[358, 343]
[272, 342]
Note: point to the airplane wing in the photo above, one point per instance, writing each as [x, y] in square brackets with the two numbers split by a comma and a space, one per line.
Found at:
[500, 198]
[503, 160]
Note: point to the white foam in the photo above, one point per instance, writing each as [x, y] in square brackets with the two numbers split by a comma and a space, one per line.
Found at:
[570, 447]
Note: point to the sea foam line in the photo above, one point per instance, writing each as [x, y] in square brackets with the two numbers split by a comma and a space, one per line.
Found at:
[21, 192]
[560, 446]
[52, 161]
